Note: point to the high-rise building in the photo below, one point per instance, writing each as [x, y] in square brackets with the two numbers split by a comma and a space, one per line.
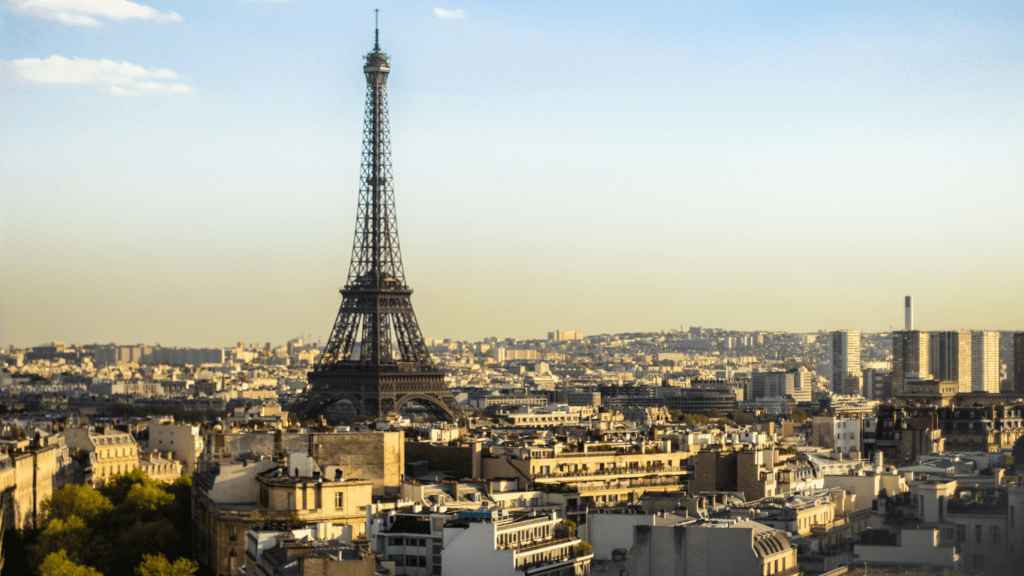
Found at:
[877, 384]
[1018, 362]
[376, 358]
[909, 357]
[950, 357]
[985, 361]
[845, 358]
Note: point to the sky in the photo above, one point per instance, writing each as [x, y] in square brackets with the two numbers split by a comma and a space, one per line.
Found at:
[186, 173]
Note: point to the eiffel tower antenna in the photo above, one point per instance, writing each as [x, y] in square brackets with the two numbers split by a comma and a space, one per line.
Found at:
[376, 358]
[376, 29]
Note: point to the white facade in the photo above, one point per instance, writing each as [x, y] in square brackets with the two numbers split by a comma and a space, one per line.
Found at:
[487, 542]
[183, 441]
[845, 358]
[985, 361]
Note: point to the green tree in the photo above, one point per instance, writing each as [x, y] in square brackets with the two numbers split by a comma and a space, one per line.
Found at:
[58, 564]
[159, 565]
[572, 527]
[147, 499]
[798, 415]
[75, 500]
[119, 485]
[69, 536]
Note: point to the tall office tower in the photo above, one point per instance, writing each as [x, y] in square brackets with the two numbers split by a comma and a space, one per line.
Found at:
[909, 357]
[950, 357]
[908, 309]
[877, 384]
[1018, 363]
[985, 361]
[845, 358]
[376, 358]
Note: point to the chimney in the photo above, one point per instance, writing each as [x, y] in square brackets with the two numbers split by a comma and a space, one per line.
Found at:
[909, 324]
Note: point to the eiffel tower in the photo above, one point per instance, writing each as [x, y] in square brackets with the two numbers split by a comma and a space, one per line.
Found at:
[376, 357]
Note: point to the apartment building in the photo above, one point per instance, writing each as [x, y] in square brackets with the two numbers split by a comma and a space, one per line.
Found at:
[488, 541]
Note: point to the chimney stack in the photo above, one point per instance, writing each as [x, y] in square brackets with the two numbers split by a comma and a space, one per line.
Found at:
[909, 324]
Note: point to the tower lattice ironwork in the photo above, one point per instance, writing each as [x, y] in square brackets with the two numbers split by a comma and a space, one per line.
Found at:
[376, 357]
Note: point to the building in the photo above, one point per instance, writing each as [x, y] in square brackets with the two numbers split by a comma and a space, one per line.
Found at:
[183, 441]
[316, 549]
[489, 541]
[110, 452]
[837, 434]
[701, 547]
[845, 357]
[1018, 362]
[562, 335]
[233, 497]
[985, 361]
[733, 468]
[909, 357]
[160, 466]
[950, 357]
[375, 456]
[877, 384]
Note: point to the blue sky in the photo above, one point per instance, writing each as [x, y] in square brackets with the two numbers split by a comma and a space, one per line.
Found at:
[187, 172]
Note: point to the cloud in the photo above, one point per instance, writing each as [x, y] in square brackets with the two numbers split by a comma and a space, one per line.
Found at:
[445, 14]
[89, 12]
[122, 78]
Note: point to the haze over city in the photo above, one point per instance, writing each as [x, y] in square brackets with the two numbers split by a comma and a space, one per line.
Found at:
[188, 174]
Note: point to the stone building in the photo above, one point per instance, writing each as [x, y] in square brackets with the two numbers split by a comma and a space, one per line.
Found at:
[697, 548]
[230, 498]
[375, 456]
[748, 469]
[490, 541]
[109, 452]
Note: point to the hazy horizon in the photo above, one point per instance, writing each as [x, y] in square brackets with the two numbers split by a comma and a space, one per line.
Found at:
[187, 173]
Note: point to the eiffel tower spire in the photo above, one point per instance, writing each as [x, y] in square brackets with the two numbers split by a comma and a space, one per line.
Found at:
[376, 357]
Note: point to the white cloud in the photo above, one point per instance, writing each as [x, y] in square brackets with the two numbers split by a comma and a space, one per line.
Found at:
[89, 12]
[444, 14]
[122, 78]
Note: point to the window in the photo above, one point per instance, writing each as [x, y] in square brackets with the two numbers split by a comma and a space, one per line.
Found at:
[994, 534]
[339, 500]
[961, 533]
[977, 534]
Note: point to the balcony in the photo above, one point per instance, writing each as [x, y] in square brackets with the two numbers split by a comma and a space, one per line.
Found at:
[582, 475]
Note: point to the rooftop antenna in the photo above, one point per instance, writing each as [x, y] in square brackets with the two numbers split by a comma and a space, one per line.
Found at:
[376, 29]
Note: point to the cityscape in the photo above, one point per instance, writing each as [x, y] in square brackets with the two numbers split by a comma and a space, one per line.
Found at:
[872, 441]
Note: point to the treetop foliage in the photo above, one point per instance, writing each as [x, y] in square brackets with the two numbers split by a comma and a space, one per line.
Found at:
[58, 564]
[110, 528]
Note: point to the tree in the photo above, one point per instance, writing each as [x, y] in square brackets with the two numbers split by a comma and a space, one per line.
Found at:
[159, 565]
[798, 415]
[119, 485]
[143, 499]
[58, 564]
[75, 500]
[70, 537]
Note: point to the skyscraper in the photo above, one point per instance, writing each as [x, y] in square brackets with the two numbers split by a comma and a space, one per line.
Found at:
[985, 361]
[950, 357]
[845, 357]
[1018, 362]
[376, 358]
[909, 357]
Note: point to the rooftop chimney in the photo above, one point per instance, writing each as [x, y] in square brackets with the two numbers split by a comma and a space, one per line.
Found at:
[909, 324]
